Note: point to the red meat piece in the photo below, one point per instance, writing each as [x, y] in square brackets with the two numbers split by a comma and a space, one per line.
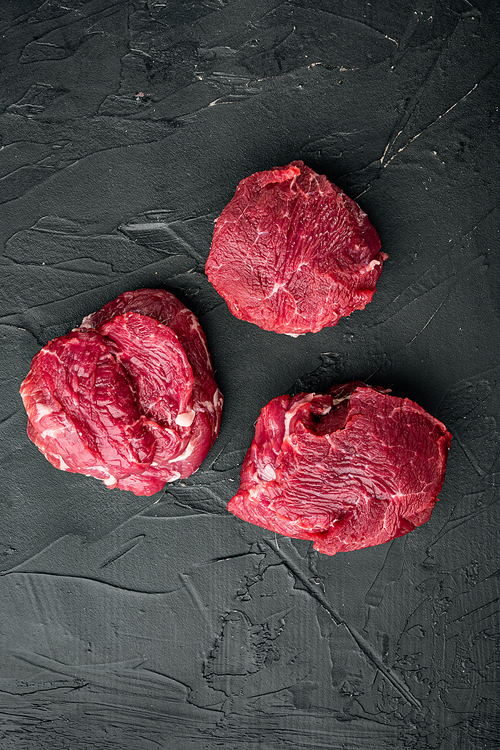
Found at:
[292, 253]
[128, 397]
[349, 469]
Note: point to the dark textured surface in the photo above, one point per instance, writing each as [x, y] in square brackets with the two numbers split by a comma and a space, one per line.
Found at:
[125, 128]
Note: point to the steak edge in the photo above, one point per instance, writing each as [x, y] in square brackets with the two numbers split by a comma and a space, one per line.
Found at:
[348, 469]
[128, 397]
[292, 253]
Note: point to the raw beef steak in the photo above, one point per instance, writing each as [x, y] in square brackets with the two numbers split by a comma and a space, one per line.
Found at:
[349, 469]
[292, 253]
[128, 397]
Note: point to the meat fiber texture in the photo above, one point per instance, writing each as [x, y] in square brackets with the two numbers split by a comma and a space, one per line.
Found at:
[292, 253]
[129, 397]
[348, 469]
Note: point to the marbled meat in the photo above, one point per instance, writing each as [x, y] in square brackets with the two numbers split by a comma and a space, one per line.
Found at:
[292, 253]
[129, 397]
[349, 469]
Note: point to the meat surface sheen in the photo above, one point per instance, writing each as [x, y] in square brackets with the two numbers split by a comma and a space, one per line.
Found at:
[292, 253]
[348, 469]
[129, 397]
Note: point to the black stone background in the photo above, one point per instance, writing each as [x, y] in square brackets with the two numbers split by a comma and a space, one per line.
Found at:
[138, 623]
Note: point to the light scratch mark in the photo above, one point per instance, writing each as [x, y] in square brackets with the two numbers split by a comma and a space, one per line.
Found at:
[391, 675]
[477, 609]
[11, 416]
[409, 111]
[428, 322]
[58, 667]
[43, 613]
[414, 138]
[229, 557]
[191, 588]
[161, 519]
[454, 523]
[19, 568]
[69, 577]
[63, 686]
[127, 547]
[470, 456]
[61, 268]
[355, 21]
[160, 265]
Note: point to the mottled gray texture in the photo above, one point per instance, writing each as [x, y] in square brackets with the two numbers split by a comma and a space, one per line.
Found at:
[131, 624]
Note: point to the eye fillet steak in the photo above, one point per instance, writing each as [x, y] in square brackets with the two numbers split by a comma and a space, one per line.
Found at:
[129, 397]
[349, 469]
[292, 253]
